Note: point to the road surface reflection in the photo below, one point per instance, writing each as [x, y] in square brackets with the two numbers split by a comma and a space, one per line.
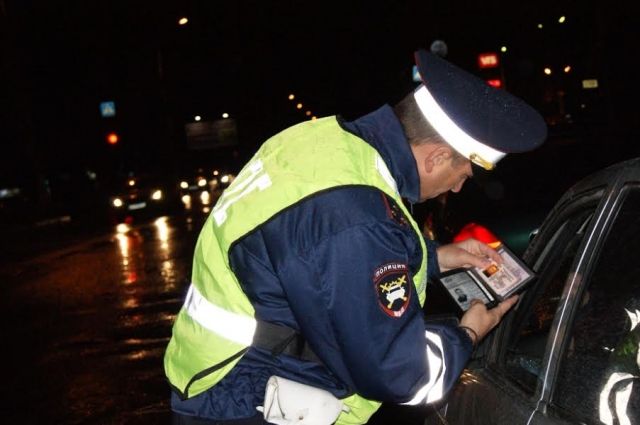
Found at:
[89, 325]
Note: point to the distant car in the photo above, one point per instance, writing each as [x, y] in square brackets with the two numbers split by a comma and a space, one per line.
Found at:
[13, 205]
[569, 351]
[199, 191]
[138, 195]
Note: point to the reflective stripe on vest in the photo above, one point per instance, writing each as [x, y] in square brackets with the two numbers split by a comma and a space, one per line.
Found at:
[291, 166]
[235, 327]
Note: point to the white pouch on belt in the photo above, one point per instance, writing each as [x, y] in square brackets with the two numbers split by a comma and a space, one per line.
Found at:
[287, 402]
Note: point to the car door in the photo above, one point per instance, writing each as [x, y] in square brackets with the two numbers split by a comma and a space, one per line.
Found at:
[568, 353]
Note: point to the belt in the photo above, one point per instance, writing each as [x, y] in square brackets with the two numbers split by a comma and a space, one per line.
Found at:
[279, 339]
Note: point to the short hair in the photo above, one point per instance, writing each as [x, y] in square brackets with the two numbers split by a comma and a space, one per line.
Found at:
[416, 127]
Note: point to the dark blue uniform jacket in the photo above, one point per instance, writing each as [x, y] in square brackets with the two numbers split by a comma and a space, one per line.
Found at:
[312, 268]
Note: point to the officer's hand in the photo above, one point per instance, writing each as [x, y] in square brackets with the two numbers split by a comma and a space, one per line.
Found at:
[468, 253]
[481, 320]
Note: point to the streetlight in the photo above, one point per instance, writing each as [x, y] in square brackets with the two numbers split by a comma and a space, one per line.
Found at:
[562, 19]
[567, 69]
[291, 96]
[503, 49]
[547, 71]
[540, 26]
[225, 115]
[197, 118]
[299, 106]
[183, 21]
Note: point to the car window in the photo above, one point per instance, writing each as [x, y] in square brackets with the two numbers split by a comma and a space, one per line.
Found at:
[523, 358]
[599, 376]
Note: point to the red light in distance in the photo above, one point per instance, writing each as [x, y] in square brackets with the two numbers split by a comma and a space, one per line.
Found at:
[487, 60]
[112, 138]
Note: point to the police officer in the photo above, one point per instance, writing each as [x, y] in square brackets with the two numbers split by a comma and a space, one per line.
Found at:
[309, 276]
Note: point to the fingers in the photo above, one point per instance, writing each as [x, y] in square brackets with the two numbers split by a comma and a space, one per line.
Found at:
[505, 306]
[489, 252]
[485, 250]
[470, 259]
[475, 301]
[481, 319]
[468, 253]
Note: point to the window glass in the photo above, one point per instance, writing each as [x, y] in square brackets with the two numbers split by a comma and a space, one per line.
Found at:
[526, 347]
[599, 377]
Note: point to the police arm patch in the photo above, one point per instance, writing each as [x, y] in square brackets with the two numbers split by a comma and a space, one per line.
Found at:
[391, 283]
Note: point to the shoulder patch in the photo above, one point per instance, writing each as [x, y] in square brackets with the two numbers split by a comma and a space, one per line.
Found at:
[394, 212]
[391, 283]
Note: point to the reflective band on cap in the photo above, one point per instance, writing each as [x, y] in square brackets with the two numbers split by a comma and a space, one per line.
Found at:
[434, 390]
[450, 132]
[232, 326]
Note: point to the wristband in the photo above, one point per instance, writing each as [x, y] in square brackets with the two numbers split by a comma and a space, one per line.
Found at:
[473, 335]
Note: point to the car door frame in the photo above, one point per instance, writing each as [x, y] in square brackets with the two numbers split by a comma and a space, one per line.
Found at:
[617, 179]
[612, 182]
[607, 185]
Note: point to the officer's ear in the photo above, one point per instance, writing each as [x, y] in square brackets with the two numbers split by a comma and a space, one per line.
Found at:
[438, 156]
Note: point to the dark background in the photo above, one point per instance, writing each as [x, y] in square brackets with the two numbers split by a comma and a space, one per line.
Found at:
[91, 321]
[60, 59]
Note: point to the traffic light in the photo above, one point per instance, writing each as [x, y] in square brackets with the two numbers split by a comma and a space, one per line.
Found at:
[112, 138]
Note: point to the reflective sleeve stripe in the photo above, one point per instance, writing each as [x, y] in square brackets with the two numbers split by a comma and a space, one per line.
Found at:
[234, 327]
[434, 389]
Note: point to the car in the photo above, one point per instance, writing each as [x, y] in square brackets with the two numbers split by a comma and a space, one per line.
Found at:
[199, 190]
[138, 195]
[13, 204]
[568, 352]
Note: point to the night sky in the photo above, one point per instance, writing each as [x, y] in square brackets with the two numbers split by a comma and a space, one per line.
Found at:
[61, 58]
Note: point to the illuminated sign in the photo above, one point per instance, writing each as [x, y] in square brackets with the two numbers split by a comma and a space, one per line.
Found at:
[487, 60]
[211, 134]
[590, 84]
[108, 109]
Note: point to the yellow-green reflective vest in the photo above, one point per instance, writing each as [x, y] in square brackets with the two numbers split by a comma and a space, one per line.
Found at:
[216, 323]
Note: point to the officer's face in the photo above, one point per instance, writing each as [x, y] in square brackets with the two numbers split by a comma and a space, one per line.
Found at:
[443, 176]
[438, 171]
[450, 176]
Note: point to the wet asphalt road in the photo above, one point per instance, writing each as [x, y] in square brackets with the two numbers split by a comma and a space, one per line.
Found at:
[84, 327]
[86, 317]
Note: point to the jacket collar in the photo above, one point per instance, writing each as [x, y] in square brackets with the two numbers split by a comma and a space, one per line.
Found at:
[382, 130]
